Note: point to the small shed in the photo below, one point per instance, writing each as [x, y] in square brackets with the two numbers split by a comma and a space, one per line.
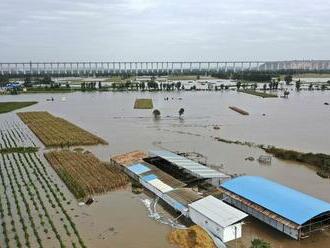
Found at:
[219, 218]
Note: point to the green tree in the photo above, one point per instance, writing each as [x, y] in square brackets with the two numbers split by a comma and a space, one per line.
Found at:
[288, 79]
[142, 86]
[178, 85]
[298, 85]
[181, 111]
[156, 114]
[238, 85]
[27, 82]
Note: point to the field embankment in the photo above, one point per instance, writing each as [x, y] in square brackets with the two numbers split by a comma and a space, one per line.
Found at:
[57, 132]
[84, 174]
[6, 107]
[258, 93]
[319, 160]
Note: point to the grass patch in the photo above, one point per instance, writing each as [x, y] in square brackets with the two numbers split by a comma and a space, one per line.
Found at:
[143, 104]
[6, 107]
[258, 93]
[319, 160]
[30, 149]
[84, 174]
[57, 132]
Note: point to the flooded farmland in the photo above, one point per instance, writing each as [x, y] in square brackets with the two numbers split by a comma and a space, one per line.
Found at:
[116, 219]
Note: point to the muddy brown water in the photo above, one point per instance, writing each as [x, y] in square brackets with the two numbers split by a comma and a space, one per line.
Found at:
[119, 219]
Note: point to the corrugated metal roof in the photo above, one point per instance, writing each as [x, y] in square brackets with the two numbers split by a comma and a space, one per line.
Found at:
[218, 211]
[194, 167]
[158, 184]
[284, 201]
[185, 195]
[149, 177]
[138, 168]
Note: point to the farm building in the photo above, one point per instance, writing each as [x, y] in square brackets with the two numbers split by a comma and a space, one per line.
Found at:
[179, 199]
[287, 210]
[219, 218]
[185, 169]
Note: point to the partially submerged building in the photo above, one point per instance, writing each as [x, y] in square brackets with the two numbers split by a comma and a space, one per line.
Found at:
[215, 216]
[186, 169]
[287, 210]
[219, 218]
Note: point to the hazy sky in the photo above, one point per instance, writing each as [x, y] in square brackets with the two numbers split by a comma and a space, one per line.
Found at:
[108, 30]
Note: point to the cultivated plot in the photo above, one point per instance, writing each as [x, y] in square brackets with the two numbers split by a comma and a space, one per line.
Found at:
[84, 174]
[57, 132]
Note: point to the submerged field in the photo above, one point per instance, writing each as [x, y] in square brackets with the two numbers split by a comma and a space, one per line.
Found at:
[54, 131]
[33, 208]
[84, 174]
[15, 138]
[143, 104]
[6, 107]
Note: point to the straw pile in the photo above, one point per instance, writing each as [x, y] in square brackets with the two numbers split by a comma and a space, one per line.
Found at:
[193, 237]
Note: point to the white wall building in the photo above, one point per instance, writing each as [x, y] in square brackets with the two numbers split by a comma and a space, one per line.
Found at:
[219, 218]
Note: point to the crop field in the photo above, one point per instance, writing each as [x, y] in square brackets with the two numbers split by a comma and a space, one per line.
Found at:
[84, 174]
[57, 132]
[143, 104]
[10, 106]
[15, 136]
[32, 206]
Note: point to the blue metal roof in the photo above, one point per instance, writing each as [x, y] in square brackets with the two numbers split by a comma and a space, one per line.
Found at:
[138, 168]
[149, 177]
[284, 201]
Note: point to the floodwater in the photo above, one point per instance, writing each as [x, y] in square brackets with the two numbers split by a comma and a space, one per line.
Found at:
[119, 219]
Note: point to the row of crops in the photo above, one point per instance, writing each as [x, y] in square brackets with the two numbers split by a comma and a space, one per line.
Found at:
[33, 208]
[84, 174]
[57, 132]
[14, 133]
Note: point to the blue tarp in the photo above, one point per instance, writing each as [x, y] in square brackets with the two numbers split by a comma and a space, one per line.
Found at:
[149, 177]
[138, 168]
[284, 201]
